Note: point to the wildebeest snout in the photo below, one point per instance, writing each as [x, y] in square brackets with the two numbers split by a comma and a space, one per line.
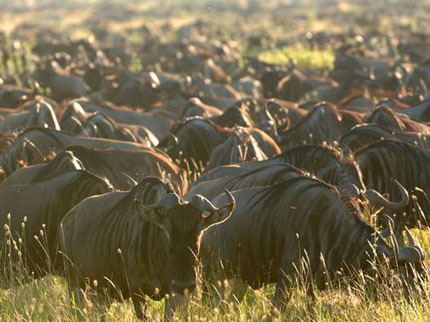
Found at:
[180, 286]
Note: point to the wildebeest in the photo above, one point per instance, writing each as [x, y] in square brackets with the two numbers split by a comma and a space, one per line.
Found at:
[242, 145]
[264, 175]
[128, 89]
[325, 123]
[285, 113]
[323, 162]
[296, 84]
[63, 85]
[36, 210]
[72, 118]
[97, 124]
[386, 160]
[193, 141]
[249, 112]
[36, 113]
[275, 232]
[37, 145]
[142, 242]
[386, 117]
[156, 123]
[12, 96]
[63, 161]
[419, 111]
[196, 107]
[100, 125]
[366, 134]
[123, 168]
[234, 116]
[221, 95]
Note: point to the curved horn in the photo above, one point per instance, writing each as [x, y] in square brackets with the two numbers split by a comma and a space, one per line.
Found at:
[202, 203]
[217, 215]
[411, 254]
[173, 137]
[393, 240]
[413, 244]
[410, 238]
[154, 80]
[134, 183]
[130, 134]
[231, 202]
[266, 111]
[89, 129]
[376, 198]
[172, 145]
[76, 120]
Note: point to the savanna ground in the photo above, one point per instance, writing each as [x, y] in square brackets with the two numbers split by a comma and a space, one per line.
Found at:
[47, 299]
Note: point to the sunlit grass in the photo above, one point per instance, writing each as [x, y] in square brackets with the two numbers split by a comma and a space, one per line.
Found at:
[320, 59]
[47, 300]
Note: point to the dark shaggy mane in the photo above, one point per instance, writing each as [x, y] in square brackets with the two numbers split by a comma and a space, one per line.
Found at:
[47, 131]
[287, 167]
[271, 196]
[176, 128]
[394, 145]
[82, 175]
[320, 105]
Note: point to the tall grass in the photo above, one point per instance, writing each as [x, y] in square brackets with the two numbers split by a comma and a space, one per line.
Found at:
[47, 300]
[368, 298]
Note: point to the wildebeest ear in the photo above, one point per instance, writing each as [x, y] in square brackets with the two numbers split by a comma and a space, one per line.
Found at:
[217, 215]
[148, 214]
[215, 218]
[157, 211]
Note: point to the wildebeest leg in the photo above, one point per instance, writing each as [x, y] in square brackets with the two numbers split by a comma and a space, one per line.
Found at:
[171, 304]
[239, 288]
[310, 300]
[104, 301]
[74, 284]
[282, 293]
[140, 306]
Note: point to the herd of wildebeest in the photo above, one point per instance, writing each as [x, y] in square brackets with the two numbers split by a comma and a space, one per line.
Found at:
[126, 182]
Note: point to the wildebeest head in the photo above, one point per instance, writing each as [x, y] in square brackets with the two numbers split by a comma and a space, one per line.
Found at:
[409, 260]
[183, 222]
[193, 140]
[73, 117]
[100, 125]
[64, 160]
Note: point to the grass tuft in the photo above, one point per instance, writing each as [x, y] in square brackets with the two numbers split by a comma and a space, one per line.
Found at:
[320, 59]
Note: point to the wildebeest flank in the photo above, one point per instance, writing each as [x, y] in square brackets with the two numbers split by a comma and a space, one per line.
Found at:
[274, 229]
[35, 216]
